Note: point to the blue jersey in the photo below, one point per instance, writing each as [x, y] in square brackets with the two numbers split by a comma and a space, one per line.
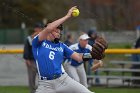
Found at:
[77, 48]
[49, 56]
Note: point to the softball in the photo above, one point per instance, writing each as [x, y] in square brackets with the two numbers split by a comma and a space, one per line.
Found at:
[75, 12]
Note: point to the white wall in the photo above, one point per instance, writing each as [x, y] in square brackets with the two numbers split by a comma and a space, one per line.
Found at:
[12, 70]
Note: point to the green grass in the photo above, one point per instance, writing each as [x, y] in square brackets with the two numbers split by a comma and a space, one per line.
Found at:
[115, 90]
[14, 89]
[120, 45]
[23, 89]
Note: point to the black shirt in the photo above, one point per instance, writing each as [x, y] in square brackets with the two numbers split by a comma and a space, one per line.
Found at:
[27, 54]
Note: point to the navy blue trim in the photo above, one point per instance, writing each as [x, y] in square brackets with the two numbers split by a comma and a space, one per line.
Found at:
[51, 78]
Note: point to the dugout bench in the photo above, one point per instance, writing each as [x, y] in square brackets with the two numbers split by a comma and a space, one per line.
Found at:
[122, 70]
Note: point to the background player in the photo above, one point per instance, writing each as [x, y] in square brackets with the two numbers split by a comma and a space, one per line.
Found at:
[92, 33]
[75, 69]
[69, 39]
[29, 59]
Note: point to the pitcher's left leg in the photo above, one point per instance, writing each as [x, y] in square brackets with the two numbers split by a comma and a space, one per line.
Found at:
[68, 85]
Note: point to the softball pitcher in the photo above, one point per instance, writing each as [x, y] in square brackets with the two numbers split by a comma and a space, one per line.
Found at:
[49, 53]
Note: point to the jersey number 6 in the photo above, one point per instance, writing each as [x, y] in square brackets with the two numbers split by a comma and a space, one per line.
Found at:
[51, 55]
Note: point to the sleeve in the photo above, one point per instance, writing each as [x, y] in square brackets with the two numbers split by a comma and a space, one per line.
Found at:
[26, 49]
[71, 47]
[36, 42]
[67, 51]
[89, 47]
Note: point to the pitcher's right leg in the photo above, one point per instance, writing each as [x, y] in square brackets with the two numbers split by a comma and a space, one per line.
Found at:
[45, 86]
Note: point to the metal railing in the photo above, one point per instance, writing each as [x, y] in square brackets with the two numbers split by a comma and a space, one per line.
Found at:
[108, 51]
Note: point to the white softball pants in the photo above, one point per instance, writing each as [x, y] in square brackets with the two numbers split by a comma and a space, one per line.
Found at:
[64, 84]
[77, 73]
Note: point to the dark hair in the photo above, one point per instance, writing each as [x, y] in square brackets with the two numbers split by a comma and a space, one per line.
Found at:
[60, 27]
[50, 21]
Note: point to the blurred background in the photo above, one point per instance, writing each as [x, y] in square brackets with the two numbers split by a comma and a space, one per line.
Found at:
[111, 17]
[118, 21]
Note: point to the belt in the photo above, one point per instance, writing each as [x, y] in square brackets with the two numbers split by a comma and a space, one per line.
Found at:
[52, 78]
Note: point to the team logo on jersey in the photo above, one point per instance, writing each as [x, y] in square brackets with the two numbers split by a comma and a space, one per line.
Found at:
[52, 48]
